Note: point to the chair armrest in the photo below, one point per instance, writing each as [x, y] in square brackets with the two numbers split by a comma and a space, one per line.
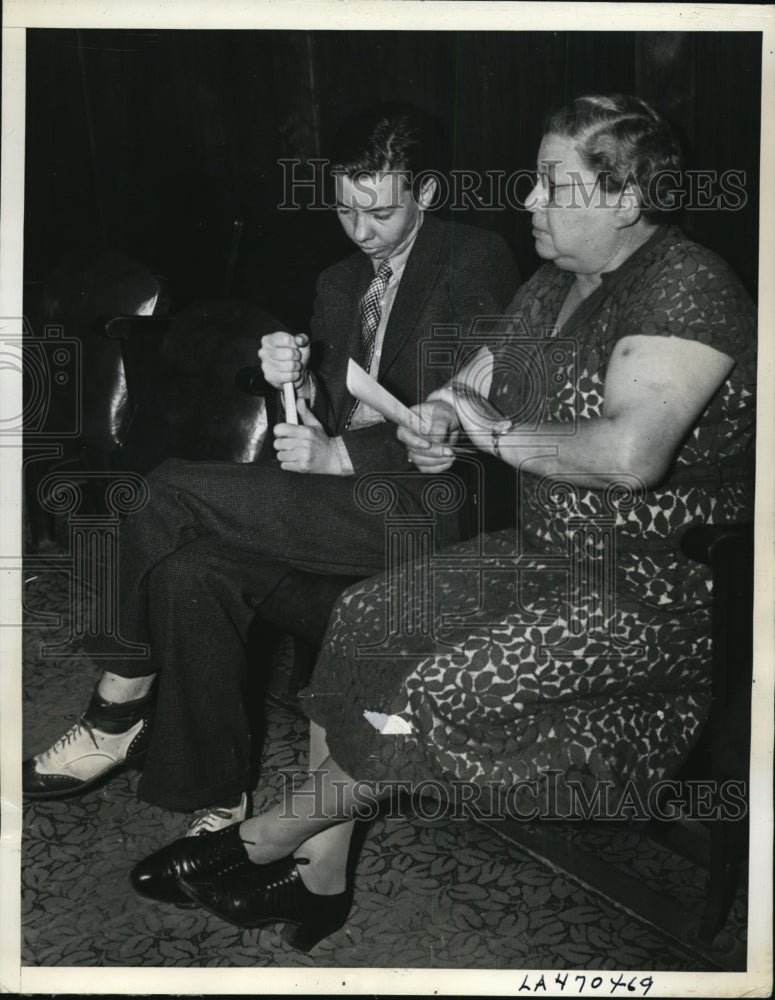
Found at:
[252, 380]
[122, 327]
[705, 542]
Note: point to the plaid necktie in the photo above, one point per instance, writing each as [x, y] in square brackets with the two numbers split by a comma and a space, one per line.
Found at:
[370, 310]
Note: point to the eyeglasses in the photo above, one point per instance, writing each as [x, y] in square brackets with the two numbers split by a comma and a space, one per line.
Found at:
[548, 187]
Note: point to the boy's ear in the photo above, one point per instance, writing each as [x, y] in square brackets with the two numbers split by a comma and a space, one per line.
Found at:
[428, 187]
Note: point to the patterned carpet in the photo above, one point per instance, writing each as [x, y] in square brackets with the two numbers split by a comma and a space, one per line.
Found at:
[429, 894]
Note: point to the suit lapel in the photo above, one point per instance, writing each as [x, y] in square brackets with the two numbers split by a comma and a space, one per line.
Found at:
[342, 320]
[419, 279]
[344, 312]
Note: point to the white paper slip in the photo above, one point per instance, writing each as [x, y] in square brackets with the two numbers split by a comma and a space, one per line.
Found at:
[388, 725]
[369, 391]
[289, 398]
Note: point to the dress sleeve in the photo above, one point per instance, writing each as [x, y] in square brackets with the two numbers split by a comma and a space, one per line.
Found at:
[692, 293]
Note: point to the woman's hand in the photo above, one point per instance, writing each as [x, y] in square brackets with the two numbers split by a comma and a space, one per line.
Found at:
[432, 451]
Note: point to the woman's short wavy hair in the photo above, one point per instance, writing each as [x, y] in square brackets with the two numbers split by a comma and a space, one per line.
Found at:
[625, 141]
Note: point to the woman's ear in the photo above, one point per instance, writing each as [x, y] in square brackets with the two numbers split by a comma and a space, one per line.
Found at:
[628, 207]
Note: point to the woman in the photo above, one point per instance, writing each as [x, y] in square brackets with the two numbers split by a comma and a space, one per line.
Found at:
[645, 425]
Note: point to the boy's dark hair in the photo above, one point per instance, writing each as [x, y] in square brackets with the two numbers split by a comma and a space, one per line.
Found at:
[390, 137]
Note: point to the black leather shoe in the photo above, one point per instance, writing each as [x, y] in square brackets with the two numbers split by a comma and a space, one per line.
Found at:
[220, 852]
[265, 894]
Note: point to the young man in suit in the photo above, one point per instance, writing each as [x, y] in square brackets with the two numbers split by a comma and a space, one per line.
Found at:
[213, 532]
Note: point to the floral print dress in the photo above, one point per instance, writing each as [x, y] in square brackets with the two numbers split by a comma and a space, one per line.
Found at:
[574, 649]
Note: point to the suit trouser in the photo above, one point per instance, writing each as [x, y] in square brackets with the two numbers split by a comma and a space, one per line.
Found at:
[215, 540]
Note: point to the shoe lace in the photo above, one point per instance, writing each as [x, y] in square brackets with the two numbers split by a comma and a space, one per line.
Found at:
[72, 733]
[205, 819]
[291, 876]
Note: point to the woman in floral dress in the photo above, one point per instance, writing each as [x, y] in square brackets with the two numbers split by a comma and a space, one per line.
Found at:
[571, 653]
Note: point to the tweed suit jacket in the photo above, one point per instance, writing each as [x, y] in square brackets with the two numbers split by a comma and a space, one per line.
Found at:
[453, 274]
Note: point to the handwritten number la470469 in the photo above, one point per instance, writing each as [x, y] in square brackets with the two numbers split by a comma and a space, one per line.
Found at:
[578, 984]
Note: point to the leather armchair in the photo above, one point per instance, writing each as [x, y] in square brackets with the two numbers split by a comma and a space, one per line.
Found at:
[186, 390]
[75, 390]
[722, 755]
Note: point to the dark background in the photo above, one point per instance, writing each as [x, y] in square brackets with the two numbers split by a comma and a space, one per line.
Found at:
[155, 142]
